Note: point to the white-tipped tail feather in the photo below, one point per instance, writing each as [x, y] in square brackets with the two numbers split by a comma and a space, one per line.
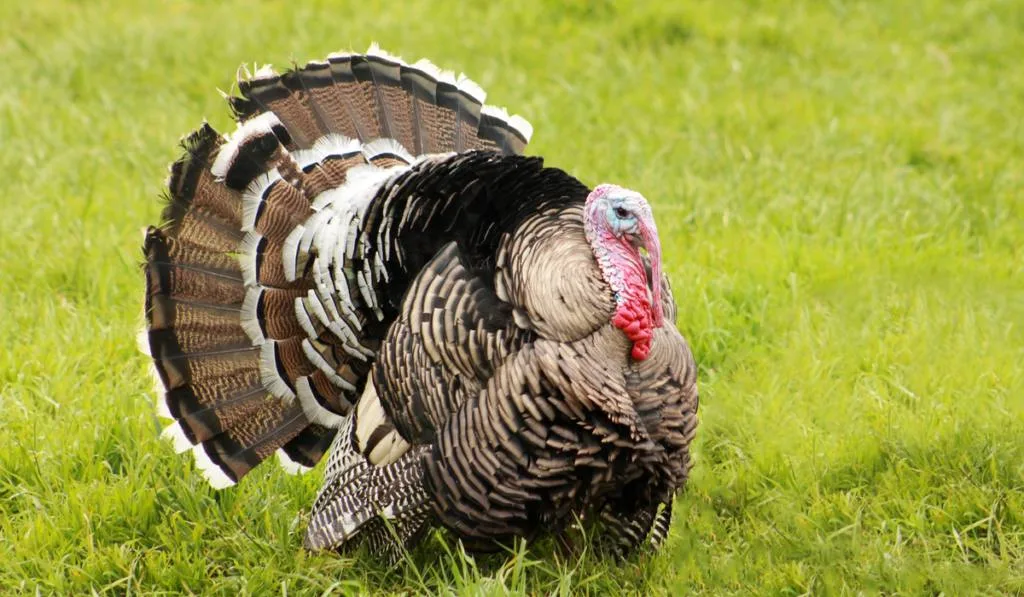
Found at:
[213, 474]
[290, 466]
[176, 436]
[254, 127]
[270, 376]
[386, 146]
[515, 121]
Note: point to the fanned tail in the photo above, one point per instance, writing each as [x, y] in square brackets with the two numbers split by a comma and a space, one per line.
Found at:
[262, 321]
[377, 95]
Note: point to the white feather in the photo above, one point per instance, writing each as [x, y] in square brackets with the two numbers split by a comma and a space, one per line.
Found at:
[162, 409]
[158, 391]
[366, 291]
[522, 125]
[257, 126]
[438, 74]
[384, 146]
[217, 478]
[302, 314]
[316, 308]
[312, 409]
[247, 256]
[269, 375]
[290, 252]
[341, 54]
[331, 144]
[370, 415]
[321, 363]
[339, 277]
[390, 448]
[264, 72]
[375, 50]
[312, 224]
[325, 284]
[176, 436]
[290, 466]
[334, 144]
[382, 271]
[253, 197]
[142, 341]
[516, 121]
[471, 88]
[248, 318]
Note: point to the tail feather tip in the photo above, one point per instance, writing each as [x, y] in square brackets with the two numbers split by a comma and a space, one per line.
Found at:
[212, 472]
[290, 466]
[174, 434]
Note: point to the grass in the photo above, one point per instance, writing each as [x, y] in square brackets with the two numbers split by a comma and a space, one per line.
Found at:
[838, 186]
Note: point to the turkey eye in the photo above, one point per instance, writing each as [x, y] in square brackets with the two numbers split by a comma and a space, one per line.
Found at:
[622, 212]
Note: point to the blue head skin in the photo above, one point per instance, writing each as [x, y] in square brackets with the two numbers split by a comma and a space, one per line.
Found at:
[619, 225]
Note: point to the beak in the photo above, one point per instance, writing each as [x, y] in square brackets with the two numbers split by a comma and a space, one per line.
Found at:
[649, 240]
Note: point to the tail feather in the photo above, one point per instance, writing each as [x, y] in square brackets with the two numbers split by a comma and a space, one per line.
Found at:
[203, 228]
[420, 86]
[193, 187]
[466, 109]
[285, 97]
[262, 262]
[273, 207]
[269, 313]
[386, 73]
[306, 449]
[263, 299]
[217, 374]
[331, 173]
[509, 134]
[201, 327]
[265, 430]
[178, 270]
[354, 83]
[205, 410]
[332, 107]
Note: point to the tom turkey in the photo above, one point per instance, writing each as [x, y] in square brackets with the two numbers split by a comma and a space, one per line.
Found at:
[369, 264]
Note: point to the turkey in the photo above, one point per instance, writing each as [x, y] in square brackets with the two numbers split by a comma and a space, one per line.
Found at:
[369, 265]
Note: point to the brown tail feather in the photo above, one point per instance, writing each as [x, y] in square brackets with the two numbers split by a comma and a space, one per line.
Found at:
[330, 173]
[285, 97]
[353, 82]
[193, 187]
[238, 450]
[309, 445]
[376, 95]
[278, 209]
[331, 107]
[202, 228]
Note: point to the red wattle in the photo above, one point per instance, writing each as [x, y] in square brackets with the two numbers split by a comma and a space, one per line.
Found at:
[641, 350]
[636, 323]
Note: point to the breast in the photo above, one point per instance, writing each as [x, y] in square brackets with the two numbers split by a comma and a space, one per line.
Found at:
[546, 270]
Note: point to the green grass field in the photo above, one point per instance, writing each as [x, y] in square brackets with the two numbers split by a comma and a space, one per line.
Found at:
[839, 191]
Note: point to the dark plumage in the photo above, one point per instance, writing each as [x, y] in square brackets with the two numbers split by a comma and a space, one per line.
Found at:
[369, 262]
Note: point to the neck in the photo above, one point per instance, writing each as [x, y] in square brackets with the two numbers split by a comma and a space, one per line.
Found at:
[624, 271]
